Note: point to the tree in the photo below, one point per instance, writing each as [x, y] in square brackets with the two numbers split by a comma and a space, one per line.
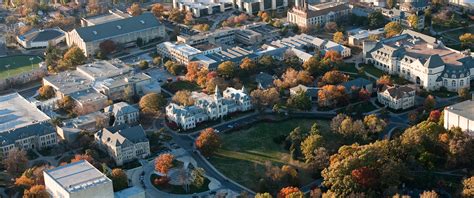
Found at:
[393, 28]
[24, 182]
[152, 102]
[288, 191]
[157, 9]
[320, 159]
[201, 27]
[157, 60]
[376, 19]
[119, 179]
[226, 69]
[309, 145]
[188, 18]
[300, 101]
[468, 187]
[391, 3]
[208, 142]
[312, 65]
[248, 64]
[67, 104]
[176, 15]
[192, 70]
[434, 116]
[429, 103]
[330, 26]
[292, 78]
[263, 195]
[74, 56]
[384, 80]
[413, 21]
[374, 37]
[143, 65]
[374, 124]
[107, 46]
[291, 60]
[211, 84]
[175, 68]
[331, 95]
[334, 77]
[135, 9]
[265, 98]
[332, 56]
[183, 97]
[36, 191]
[163, 163]
[464, 93]
[467, 39]
[46, 92]
[198, 177]
[338, 37]
[429, 194]
[265, 61]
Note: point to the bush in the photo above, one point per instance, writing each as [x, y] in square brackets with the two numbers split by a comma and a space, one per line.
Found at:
[143, 64]
[161, 181]
[279, 139]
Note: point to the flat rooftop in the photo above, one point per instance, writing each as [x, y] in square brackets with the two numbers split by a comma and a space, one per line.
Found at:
[103, 69]
[464, 109]
[77, 176]
[113, 15]
[16, 112]
[69, 82]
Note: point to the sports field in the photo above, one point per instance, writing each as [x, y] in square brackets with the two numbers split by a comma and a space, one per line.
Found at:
[14, 65]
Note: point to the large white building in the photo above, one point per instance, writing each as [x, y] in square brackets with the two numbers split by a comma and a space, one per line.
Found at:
[208, 107]
[421, 59]
[41, 38]
[397, 97]
[203, 7]
[303, 40]
[124, 143]
[254, 6]
[124, 31]
[306, 15]
[181, 53]
[77, 180]
[460, 115]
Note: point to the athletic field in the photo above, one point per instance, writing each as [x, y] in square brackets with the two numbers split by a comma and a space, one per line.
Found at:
[14, 65]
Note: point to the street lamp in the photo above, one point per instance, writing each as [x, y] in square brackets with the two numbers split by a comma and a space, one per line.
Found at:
[31, 62]
[8, 70]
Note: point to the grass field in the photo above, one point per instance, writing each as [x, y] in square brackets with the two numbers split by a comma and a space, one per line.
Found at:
[244, 153]
[17, 64]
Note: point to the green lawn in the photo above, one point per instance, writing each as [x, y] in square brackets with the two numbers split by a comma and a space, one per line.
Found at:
[364, 107]
[372, 70]
[17, 64]
[348, 67]
[176, 189]
[244, 153]
[181, 85]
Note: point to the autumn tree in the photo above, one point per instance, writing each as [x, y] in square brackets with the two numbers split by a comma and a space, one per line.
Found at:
[330, 95]
[429, 194]
[330, 26]
[107, 46]
[36, 191]
[152, 103]
[309, 145]
[290, 192]
[208, 142]
[16, 162]
[376, 19]
[393, 28]
[263, 195]
[291, 60]
[413, 21]
[435, 115]
[135, 9]
[300, 101]
[73, 57]
[163, 163]
[188, 18]
[467, 39]
[464, 93]
[248, 65]
[334, 77]
[198, 177]
[265, 62]
[226, 69]
[468, 187]
[157, 9]
[332, 56]
[374, 124]
[265, 98]
[211, 84]
[312, 65]
[384, 80]
[183, 97]
[391, 3]
[119, 179]
[201, 27]
[338, 37]
[24, 182]
[292, 78]
[176, 15]
[46, 92]
[429, 103]
[174, 67]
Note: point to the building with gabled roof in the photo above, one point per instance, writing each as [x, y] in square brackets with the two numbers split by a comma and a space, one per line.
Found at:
[123, 113]
[397, 97]
[307, 15]
[124, 31]
[421, 59]
[124, 143]
[77, 180]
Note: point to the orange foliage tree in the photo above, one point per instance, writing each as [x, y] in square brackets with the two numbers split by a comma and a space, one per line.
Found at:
[208, 142]
[163, 163]
[288, 191]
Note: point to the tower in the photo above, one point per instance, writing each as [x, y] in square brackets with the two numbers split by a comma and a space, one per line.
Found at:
[217, 94]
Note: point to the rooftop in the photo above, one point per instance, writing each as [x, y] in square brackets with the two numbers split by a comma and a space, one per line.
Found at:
[113, 15]
[42, 35]
[76, 176]
[103, 69]
[36, 129]
[16, 112]
[122, 135]
[464, 109]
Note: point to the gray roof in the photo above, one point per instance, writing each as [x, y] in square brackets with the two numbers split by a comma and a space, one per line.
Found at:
[396, 91]
[358, 82]
[121, 108]
[118, 27]
[77, 176]
[122, 134]
[464, 109]
[434, 61]
[265, 80]
[42, 35]
[38, 129]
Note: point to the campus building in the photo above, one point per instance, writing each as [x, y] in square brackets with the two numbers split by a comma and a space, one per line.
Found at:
[77, 180]
[123, 113]
[460, 115]
[34, 136]
[421, 59]
[124, 31]
[41, 38]
[112, 15]
[254, 6]
[124, 143]
[397, 97]
[306, 15]
[302, 41]
[208, 107]
[358, 36]
[203, 7]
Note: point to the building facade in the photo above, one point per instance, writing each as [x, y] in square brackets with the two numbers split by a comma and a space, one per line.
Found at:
[124, 31]
[421, 59]
[460, 115]
[397, 97]
[124, 143]
[123, 113]
[41, 38]
[254, 6]
[209, 107]
[77, 180]
[306, 15]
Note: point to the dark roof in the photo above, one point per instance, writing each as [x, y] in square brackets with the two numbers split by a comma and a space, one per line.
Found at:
[358, 82]
[133, 134]
[42, 35]
[396, 91]
[118, 27]
[39, 129]
[264, 80]
[314, 13]
[434, 61]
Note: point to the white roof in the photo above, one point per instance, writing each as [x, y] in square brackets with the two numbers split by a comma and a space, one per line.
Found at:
[16, 112]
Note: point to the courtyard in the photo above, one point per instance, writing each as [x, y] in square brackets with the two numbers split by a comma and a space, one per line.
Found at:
[248, 150]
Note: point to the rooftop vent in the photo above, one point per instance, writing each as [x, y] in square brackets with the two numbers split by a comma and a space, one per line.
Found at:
[94, 32]
[119, 27]
[142, 21]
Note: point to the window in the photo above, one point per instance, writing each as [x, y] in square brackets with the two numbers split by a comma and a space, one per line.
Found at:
[453, 83]
[445, 83]
[461, 83]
